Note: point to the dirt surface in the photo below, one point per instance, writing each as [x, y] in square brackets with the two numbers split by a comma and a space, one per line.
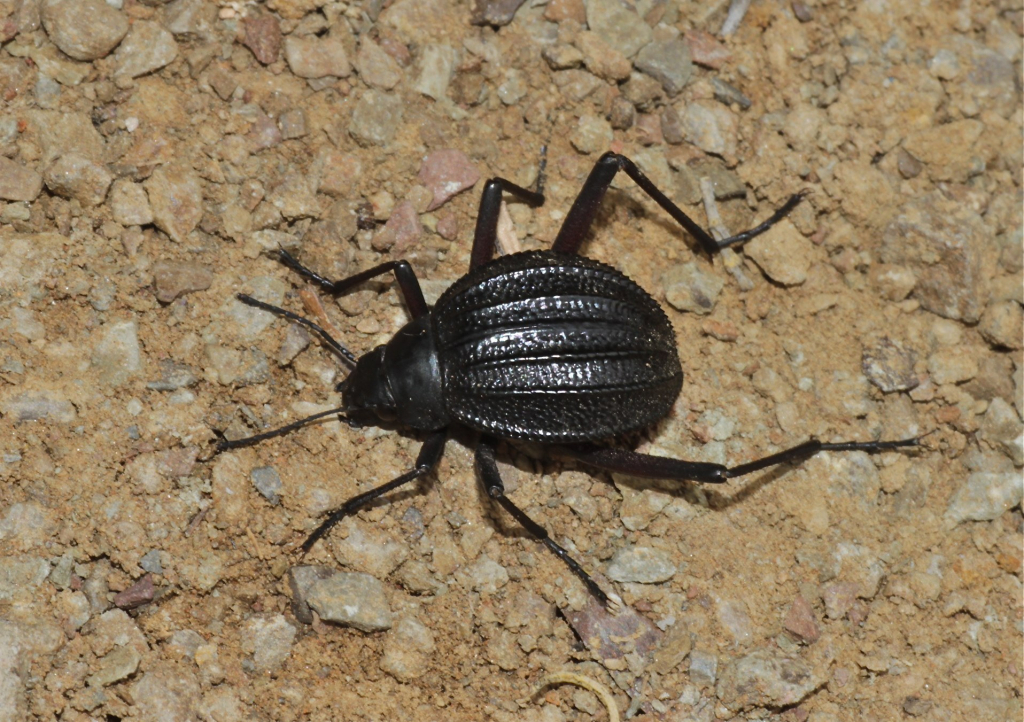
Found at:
[146, 179]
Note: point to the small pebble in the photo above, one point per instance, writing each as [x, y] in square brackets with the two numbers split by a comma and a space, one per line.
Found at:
[644, 565]
[559, 10]
[263, 37]
[592, 134]
[985, 496]
[894, 282]
[940, 243]
[176, 198]
[401, 232]
[173, 376]
[692, 287]
[562, 56]
[146, 48]
[668, 62]
[782, 252]
[292, 124]
[908, 166]
[376, 118]
[300, 580]
[671, 126]
[408, 649]
[368, 548]
[437, 67]
[889, 365]
[765, 678]
[314, 57]
[618, 25]
[944, 65]
[269, 640]
[84, 29]
[495, 12]
[514, 88]
[484, 575]
[711, 127]
[38, 405]
[706, 50]
[139, 593]
[446, 173]
[117, 357]
[172, 279]
[839, 598]
[120, 663]
[295, 197]
[151, 563]
[18, 183]
[601, 59]
[263, 133]
[73, 176]
[952, 365]
[129, 203]
[803, 12]
[1002, 324]
[268, 483]
[376, 68]
[352, 600]
[725, 93]
[703, 668]
[164, 691]
[1002, 428]
[800, 621]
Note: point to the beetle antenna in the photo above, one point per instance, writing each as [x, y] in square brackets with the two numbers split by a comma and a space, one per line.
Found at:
[278, 311]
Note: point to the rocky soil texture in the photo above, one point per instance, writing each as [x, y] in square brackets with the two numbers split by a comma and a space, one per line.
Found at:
[153, 157]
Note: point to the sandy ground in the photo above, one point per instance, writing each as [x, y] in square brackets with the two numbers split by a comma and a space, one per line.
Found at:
[889, 305]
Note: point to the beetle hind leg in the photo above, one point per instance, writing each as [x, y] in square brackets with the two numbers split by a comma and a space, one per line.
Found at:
[662, 467]
[491, 480]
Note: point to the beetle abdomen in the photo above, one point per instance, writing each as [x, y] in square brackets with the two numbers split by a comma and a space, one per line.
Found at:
[554, 348]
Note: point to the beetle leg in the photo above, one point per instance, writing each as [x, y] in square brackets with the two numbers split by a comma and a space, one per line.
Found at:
[408, 284]
[430, 454]
[580, 217]
[663, 467]
[487, 215]
[491, 480]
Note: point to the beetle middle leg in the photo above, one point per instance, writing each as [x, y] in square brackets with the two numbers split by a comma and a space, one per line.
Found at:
[491, 480]
[580, 217]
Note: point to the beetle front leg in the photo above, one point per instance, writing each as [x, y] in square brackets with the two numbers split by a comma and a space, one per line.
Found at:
[408, 284]
[426, 460]
[581, 216]
[491, 480]
[662, 467]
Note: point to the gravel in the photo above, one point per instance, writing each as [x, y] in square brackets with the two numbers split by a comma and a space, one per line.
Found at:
[692, 287]
[351, 599]
[765, 678]
[83, 29]
[155, 155]
[18, 183]
[645, 565]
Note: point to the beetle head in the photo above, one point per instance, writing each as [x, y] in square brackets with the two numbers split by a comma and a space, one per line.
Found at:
[367, 387]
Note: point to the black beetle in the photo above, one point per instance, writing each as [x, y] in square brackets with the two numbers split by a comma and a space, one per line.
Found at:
[542, 346]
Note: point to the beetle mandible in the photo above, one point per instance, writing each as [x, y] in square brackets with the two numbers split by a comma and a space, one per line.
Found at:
[541, 346]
